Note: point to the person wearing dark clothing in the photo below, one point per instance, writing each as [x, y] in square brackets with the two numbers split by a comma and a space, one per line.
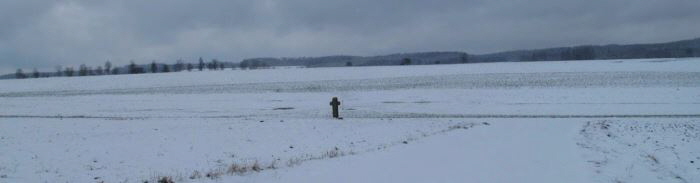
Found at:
[335, 103]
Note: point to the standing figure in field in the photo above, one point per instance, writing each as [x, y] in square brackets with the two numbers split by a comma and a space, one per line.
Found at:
[335, 103]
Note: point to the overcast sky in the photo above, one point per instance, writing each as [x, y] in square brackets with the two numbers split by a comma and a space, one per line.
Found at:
[47, 33]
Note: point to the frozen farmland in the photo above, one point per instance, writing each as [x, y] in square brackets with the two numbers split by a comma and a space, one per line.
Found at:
[583, 121]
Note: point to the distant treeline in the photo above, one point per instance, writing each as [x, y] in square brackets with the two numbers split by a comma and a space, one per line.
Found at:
[677, 49]
[422, 58]
[133, 68]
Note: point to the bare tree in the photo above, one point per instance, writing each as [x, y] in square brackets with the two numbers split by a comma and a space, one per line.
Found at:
[201, 64]
[154, 67]
[35, 73]
[213, 65]
[179, 65]
[108, 67]
[82, 70]
[68, 71]
[20, 74]
[59, 70]
[99, 70]
[132, 68]
[243, 65]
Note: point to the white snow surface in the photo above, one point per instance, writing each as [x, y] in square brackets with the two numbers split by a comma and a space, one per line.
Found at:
[568, 121]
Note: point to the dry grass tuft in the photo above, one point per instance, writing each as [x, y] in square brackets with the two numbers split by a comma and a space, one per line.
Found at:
[166, 180]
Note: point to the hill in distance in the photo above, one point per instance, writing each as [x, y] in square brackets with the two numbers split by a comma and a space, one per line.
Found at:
[675, 49]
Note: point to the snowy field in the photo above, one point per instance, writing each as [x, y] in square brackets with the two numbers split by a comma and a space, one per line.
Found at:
[583, 121]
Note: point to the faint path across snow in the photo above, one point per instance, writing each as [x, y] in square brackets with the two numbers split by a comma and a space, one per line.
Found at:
[527, 150]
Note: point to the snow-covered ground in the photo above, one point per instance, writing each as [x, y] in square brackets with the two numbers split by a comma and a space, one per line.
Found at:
[585, 121]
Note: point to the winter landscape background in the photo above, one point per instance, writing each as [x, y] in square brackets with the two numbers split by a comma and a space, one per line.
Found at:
[563, 121]
[431, 91]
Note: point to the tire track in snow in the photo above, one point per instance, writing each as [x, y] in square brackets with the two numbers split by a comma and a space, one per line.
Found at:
[259, 165]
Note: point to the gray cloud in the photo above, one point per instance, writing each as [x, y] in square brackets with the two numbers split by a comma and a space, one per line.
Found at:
[47, 33]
